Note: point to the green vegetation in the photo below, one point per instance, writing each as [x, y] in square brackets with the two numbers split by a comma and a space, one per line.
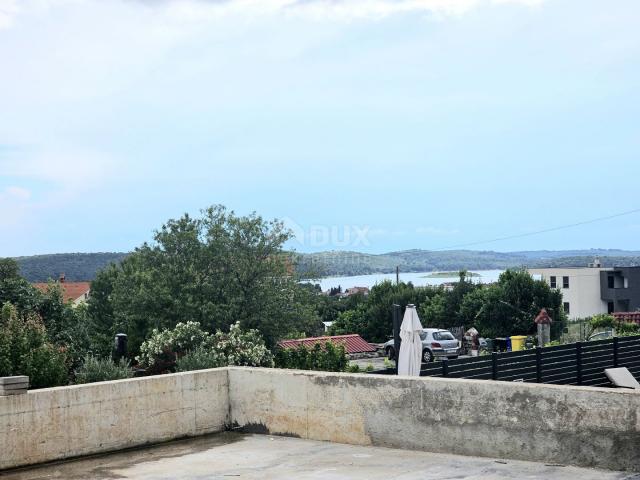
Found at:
[189, 345]
[199, 358]
[85, 266]
[322, 356]
[216, 270]
[219, 290]
[96, 369]
[505, 308]
[451, 275]
[25, 349]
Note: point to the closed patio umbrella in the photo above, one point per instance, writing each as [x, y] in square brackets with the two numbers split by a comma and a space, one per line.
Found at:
[409, 360]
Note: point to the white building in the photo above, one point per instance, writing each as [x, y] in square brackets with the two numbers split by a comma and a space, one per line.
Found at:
[592, 290]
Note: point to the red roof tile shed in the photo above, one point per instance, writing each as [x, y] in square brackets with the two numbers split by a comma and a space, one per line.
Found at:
[352, 343]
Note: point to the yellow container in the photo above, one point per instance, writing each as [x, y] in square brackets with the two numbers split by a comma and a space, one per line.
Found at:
[517, 342]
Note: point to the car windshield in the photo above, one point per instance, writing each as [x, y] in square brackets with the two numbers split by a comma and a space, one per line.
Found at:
[443, 336]
[423, 336]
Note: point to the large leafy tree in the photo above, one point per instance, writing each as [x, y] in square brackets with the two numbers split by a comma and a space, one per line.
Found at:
[443, 310]
[509, 306]
[216, 269]
[372, 317]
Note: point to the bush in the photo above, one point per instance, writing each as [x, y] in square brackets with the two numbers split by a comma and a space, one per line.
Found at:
[96, 369]
[164, 349]
[161, 350]
[25, 350]
[242, 348]
[322, 356]
[199, 359]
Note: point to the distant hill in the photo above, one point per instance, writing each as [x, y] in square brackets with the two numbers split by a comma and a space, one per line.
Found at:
[336, 263]
[76, 267]
[83, 266]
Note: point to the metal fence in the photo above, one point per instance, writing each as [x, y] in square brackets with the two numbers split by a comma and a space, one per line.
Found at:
[580, 363]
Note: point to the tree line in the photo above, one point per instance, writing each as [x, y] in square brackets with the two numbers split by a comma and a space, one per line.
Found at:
[228, 278]
[507, 307]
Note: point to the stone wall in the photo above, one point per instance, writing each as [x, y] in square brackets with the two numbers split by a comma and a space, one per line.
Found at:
[63, 422]
[583, 426]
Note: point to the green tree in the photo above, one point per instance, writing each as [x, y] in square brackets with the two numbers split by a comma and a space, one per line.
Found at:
[25, 349]
[215, 270]
[15, 289]
[372, 318]
[66, 326]
[509, 306]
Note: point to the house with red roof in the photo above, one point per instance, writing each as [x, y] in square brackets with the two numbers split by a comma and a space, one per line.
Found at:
[74, 292]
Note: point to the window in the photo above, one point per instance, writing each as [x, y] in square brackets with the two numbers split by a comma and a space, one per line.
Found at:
[565, 282]
[552, 282]
[443, 336]
[567, 308]
[610, 307]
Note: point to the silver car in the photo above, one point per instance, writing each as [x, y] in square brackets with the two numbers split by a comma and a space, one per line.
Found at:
[436, 342]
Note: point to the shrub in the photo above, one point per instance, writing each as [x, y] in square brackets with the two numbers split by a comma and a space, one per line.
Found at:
[25, 349]
[163, 349]
[322, 356]
[96, 369]
[199, 359]
[353, 368]
[242, 348]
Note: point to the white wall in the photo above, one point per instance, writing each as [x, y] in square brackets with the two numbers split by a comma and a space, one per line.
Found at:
[583, 293]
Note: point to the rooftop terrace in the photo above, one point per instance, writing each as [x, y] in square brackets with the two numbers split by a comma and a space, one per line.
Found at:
[232, 455]
[336, 425]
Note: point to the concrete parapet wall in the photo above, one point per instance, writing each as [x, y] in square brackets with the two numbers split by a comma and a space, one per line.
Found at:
[583, 426]
[553, 424]
[57, 423]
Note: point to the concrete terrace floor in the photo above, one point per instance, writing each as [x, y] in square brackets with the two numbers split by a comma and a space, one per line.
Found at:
[232, 455]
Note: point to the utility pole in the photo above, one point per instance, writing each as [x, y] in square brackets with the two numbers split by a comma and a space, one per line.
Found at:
[397, 274]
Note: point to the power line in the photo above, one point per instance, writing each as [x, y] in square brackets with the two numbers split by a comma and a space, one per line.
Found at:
[538, 232]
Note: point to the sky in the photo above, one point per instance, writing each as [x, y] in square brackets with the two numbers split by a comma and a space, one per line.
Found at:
[367, 125]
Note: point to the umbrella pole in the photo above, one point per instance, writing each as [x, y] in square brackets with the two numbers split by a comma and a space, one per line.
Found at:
[396, 310]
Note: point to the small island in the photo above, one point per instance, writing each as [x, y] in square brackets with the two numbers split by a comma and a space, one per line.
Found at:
[450, 275]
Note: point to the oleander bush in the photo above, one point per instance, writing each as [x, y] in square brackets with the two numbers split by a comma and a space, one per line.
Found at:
[166, 350]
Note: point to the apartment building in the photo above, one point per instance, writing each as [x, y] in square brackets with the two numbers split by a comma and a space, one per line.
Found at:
[588, 291]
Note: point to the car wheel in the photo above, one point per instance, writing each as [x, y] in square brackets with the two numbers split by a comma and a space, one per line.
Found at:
[427, 356]
[391, 353]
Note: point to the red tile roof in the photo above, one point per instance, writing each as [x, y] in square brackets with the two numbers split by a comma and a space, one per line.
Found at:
[71, 291]
[353, 343]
